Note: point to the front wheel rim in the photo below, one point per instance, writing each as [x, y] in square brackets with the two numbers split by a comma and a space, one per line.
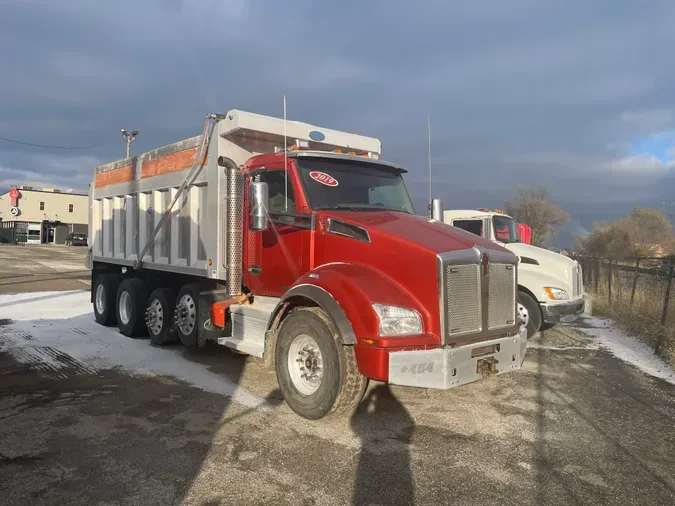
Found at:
[305, 364]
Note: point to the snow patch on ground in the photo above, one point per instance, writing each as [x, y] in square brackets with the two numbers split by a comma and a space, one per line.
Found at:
[627, 348]
[56, 333]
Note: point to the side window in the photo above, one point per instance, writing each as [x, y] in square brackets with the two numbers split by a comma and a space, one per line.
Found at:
[473, 226]
[276, 182]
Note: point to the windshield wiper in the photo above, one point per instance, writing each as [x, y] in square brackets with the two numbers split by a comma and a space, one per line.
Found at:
[363, 207]
[340, 206]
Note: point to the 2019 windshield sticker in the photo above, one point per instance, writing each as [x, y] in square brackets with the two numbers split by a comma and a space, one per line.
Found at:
[323, 178]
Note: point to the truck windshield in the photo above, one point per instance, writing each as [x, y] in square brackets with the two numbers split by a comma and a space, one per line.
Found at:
[345, 184]
[505, 229]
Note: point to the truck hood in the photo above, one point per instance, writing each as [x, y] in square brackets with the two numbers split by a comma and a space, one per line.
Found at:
[416, 231]
[553, 270]
[548, 260]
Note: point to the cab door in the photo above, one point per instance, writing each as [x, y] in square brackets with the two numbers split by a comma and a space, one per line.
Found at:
[275, 257]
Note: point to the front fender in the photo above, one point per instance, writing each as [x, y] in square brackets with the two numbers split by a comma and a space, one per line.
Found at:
[535, 279]
[347, 291]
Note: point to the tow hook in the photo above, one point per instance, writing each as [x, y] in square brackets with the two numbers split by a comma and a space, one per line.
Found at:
[487, 367]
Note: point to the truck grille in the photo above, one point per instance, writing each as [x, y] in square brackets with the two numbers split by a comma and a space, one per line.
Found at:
[462, 299]
[577, 281]
[474, 305]
[502, 296]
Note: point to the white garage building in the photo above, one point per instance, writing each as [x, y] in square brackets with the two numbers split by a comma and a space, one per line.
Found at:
[42, 215]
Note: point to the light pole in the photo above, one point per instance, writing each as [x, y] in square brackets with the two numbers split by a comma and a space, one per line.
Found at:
[129, 138]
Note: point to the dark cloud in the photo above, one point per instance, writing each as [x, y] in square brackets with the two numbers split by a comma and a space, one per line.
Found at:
[520, 92]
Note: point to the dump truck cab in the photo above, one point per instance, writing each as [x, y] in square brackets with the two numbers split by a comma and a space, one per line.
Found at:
[299, 245]
[550, 285]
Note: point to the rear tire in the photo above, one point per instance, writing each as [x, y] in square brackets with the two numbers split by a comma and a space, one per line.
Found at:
[309, 345]
[105, 298]
[159, 316]
[186, 315]
[132, 299]
[534, 312]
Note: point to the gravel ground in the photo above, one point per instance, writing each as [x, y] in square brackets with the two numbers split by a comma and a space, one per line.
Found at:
[575, 426]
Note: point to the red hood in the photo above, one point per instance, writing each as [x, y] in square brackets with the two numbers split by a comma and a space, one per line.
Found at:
[402, 249]
[421, 231]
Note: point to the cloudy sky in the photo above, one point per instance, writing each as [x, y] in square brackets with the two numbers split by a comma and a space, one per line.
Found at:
[575, 95]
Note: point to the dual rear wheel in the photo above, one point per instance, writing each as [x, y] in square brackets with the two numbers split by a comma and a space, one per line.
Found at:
[137, 311]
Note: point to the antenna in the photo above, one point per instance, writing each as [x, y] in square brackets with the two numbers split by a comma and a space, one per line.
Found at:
[285, 161]
[429, 135]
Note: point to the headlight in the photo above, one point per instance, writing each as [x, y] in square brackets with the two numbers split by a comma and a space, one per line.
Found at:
[398, 321]
[556, 293]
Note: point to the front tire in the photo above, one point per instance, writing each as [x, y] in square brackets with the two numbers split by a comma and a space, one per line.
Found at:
[317, 375]
[534, 313]
[132, 299]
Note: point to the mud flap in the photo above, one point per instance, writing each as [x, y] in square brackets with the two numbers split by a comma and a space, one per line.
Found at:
[208, 331]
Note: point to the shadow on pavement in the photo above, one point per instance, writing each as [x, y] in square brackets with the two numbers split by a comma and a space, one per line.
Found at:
[131, 438]
[384, 472]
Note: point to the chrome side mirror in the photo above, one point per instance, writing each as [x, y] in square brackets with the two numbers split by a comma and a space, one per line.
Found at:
[258, 203]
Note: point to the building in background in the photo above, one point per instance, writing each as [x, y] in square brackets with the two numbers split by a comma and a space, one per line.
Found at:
[42, 216]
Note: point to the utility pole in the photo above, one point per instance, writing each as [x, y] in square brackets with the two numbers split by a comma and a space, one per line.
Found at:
[129, 138]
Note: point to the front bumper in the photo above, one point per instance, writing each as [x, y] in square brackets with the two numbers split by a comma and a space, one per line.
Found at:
[565, 312]
[444, 368]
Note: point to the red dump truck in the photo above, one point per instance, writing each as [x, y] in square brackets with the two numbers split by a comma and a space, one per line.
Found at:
[299, 245]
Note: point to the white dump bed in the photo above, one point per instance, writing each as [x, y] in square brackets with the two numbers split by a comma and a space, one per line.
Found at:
[130, 197]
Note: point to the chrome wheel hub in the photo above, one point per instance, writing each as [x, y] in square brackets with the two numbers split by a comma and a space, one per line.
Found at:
[125, 307]
[100, 299]
[305, 364]
[185, 316]
[154, 317]
[524, 315]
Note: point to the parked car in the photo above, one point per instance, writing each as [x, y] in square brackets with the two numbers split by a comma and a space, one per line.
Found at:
[76, 240]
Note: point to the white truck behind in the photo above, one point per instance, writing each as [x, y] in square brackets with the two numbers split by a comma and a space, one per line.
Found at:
[550, 285]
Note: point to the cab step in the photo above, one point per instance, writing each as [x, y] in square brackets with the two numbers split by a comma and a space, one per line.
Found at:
[249, 325]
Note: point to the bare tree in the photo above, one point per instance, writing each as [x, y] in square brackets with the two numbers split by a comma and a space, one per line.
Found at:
[606, 241]
[533, 206]
[638, 234]
[647, 228]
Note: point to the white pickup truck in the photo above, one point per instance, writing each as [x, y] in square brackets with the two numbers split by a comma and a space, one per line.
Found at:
[550, 285]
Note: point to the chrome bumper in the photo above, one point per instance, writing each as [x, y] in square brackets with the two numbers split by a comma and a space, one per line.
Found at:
[565, 312]
[445, 368]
